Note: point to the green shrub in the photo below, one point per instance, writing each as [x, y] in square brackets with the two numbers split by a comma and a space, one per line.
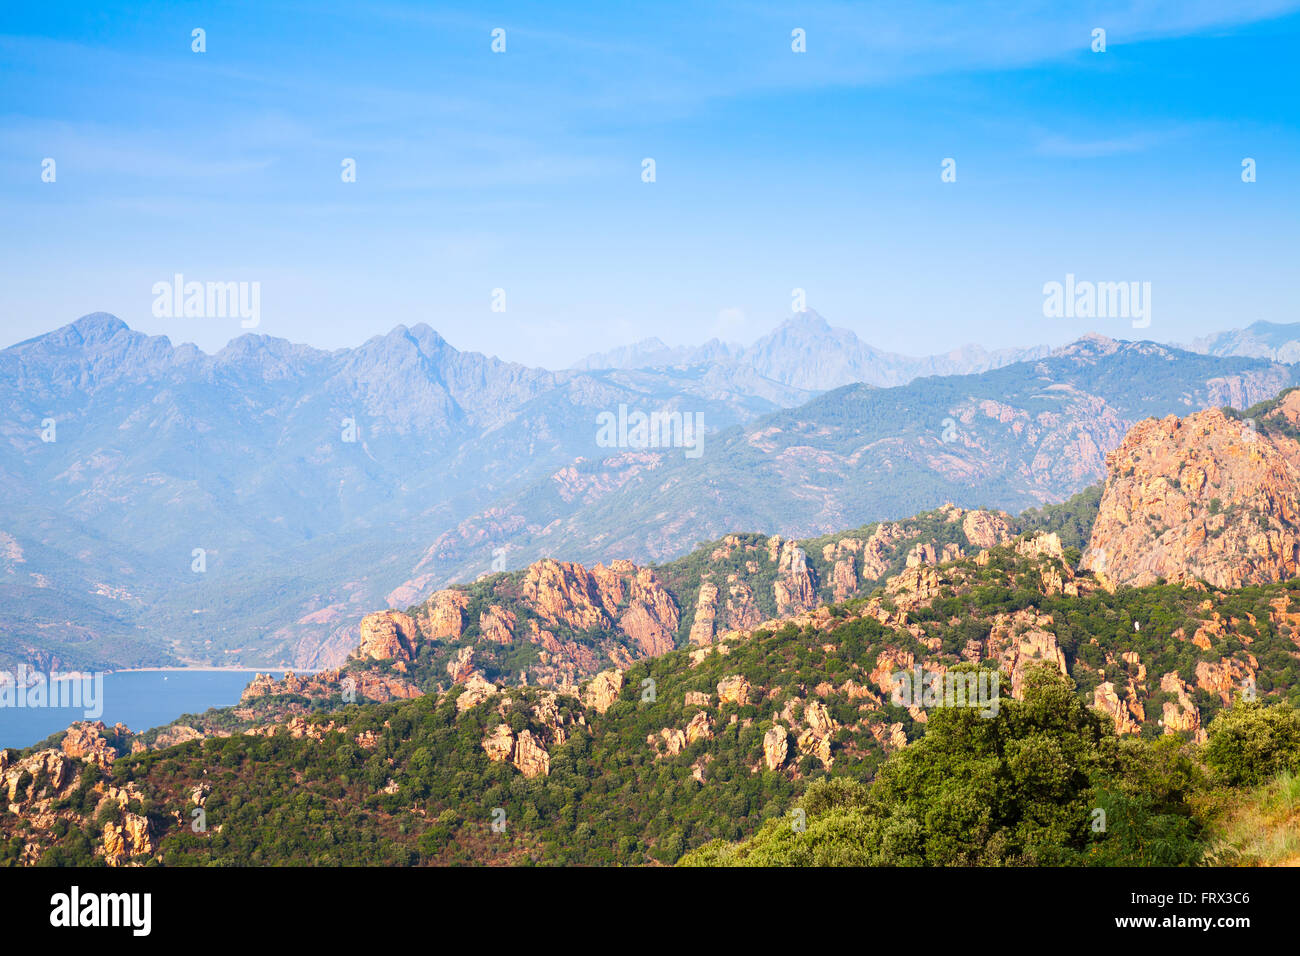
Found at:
[1250, 743]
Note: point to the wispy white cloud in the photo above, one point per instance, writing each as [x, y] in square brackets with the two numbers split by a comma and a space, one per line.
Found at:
[1138, 141]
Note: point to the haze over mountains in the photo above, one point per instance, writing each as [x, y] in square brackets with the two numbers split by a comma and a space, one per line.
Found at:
[805, 352]
[213, 509]
[1272, 340]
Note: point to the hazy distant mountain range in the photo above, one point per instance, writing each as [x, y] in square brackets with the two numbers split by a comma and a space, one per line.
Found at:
[1011, 438]
[1271, 340]
[805, 352]
[161, 505]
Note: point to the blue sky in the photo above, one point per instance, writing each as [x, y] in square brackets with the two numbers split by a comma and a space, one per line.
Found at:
[775, 170]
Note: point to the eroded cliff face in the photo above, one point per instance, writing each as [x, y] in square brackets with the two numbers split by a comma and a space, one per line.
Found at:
[1202, 498]
[388, 634]
[751, 578]
[579, 620]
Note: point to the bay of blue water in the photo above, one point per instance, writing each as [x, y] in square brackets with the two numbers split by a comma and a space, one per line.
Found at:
[139, 699]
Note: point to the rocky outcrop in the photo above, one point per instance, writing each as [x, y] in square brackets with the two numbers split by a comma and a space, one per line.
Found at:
[1041, 545]
[916, 587]
[1206, 497]
[530, 757]
[379, 687]
[547, 712]
[95, 742]
[795, 588]
[261, 685]
[388, 635]
[1227, 678]
[733, 690]
[558, 606]
[527, 751]
[650, 615]
[712, 617]
[925, 552]
[816, 738]
[671, 741]
[1105, 699]
[442, 617]
[497, 624]
[132, 838]
[461, 664]
[699, 728]
[300, 728]
[1180, 715]
[742, 609]
[57, 769]
[604, 690]
[878, 550]
[176, 734]
[706, 613]
[564, 593]
[477, 689]
[1022, 640]
[364, 684]
[844, 578]
[889, 736]
[889, 662]
[620, 596]
[776, 745]
[674, 741]
[986, 529]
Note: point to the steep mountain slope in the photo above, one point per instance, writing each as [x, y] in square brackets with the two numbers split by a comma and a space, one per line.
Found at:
[1010, 438]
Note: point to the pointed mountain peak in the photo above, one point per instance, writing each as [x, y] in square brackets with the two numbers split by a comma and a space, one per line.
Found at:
[807, 319]
[429, 339]
[420, 337]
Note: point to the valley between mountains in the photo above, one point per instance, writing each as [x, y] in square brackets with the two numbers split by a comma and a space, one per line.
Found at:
[1145, 633]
